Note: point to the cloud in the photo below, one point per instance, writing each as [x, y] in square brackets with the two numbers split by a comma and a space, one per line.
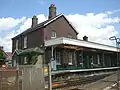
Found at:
[98, 27]
[10, 27]
[6, 41]
[8, 23]
[28, 21]
[7, 31]
[41, 2]
[112, 12]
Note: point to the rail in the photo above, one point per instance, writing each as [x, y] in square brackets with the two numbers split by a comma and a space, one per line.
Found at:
[79, 70]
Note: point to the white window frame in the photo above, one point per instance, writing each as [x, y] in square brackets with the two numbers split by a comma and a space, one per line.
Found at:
[53, 35]
[58, 58]
[25, 60]
[81, 58]
[16, 44]
[25, 41]
[98, 59]
[15, 62]
[70, 58]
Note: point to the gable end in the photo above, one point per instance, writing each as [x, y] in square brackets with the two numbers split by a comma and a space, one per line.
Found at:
[59, 16]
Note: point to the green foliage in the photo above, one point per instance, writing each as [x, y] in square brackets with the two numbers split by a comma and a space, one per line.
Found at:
[31, 54]
[2, 56]
[32, 59]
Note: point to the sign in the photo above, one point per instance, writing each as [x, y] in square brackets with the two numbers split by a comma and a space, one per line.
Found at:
[3, 67]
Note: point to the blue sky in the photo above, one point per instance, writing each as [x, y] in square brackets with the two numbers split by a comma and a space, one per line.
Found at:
[19, 8]
[98, 19]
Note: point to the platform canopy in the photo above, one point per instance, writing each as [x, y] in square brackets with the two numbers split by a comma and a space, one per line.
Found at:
[29, 51]
[79, 43]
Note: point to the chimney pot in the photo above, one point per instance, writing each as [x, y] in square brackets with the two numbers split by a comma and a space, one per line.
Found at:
[34, 21]
[1, 47]
[52, 11]
[85, 38]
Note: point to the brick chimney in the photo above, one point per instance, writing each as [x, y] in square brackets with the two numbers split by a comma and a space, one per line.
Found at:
[52, 11]
[34, 21]
[85, 38]
[1, 47]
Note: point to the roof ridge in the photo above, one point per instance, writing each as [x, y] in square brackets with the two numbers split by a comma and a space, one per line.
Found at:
[42, 24]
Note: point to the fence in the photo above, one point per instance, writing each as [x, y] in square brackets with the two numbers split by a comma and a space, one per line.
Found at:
[22, 78]
[8, 79]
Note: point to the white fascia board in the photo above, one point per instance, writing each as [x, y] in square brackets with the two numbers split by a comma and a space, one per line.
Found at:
[88, 44]
[52, 20]
[82, 43]
[53, 42]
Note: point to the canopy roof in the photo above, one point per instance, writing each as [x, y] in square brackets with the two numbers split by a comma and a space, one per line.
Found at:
[29, 51]
[79, 43]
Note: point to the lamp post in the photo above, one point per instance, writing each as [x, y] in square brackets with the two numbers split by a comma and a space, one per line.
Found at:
[117, 40]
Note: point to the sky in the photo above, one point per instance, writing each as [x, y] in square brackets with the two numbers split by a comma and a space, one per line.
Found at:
[98, 19]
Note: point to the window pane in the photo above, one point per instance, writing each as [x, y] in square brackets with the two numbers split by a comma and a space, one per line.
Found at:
[70, 57]
[70, 36]
[53, 34]
[58, 57]
[25, 60]
[25, 42]
[16, 44]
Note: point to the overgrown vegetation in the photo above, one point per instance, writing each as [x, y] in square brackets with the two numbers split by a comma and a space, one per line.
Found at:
[2, 58]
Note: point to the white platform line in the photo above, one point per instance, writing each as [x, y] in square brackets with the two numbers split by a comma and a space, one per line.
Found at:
[107, 88]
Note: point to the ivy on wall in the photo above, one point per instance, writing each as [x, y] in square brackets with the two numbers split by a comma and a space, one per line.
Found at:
[2, 56]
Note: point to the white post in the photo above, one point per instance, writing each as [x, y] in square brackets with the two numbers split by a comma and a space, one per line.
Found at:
[1, 79]
[49, 73]
[50, 78]
[117, 45]
[17, 77]
[22, 80]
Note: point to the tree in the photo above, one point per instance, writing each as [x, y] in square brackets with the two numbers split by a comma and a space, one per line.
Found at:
[31, 54]
[2, 58]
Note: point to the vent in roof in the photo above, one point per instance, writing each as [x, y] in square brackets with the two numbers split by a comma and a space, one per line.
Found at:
[85, 38]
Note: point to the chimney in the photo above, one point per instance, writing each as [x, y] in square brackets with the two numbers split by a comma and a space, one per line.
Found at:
[1, 47]
[85, 38]
[34, 21]
[52, 11]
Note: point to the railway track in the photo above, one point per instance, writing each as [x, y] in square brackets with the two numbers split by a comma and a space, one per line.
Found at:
[77, 84]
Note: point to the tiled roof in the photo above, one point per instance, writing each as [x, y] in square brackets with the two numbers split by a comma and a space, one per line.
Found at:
[37, 26]
[9, 54]
[45, 23]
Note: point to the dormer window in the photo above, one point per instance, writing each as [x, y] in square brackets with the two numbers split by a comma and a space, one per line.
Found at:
[53, 34]
[25, 42]
[16, 44]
